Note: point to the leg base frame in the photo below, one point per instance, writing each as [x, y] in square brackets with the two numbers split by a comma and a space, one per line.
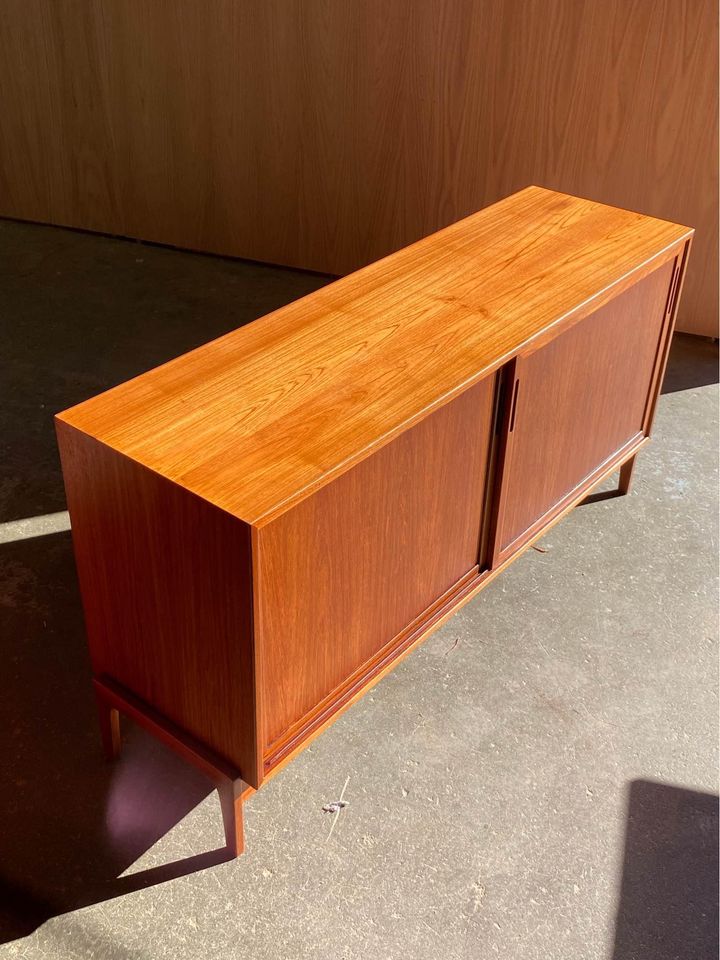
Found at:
[113, 700]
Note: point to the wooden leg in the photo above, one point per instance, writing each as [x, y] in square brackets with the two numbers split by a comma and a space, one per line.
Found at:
[626, 475]
[109, 718]
[231, 798]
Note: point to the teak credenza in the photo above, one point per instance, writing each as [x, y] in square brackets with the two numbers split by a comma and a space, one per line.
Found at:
[263, 526]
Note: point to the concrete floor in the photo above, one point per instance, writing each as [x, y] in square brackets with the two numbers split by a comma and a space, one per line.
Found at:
[538, 780]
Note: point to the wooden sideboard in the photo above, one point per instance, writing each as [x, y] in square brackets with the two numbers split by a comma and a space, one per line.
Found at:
[263, 526]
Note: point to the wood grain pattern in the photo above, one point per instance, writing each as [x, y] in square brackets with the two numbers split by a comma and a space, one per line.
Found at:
[580, 399]
[327, 133]
[345, 572]
[260, 418]
[167, 593]
[440, 614]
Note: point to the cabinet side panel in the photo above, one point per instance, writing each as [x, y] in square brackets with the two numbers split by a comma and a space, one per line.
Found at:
[581, 398]
[346, 571]
[166, 584]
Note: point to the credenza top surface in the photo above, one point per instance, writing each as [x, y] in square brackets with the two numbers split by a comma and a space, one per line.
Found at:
[262, 416]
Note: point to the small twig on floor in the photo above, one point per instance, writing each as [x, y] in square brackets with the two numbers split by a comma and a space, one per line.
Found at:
[539, 549]
[420, 723]
[450, 649]
[336, 808]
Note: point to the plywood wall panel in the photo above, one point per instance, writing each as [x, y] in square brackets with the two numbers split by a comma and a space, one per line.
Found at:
[326, 133]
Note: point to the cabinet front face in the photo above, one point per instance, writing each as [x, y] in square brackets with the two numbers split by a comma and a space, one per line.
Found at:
[349, 572]
[578, 401]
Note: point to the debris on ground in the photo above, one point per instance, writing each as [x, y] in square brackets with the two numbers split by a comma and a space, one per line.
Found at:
[335, 807]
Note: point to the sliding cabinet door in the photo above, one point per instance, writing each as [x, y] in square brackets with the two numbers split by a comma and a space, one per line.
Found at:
[349, 576]
[578, 402]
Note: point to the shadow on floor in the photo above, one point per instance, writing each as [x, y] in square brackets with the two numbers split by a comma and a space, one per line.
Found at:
[669, 895]
[693, 363]
[79, 313]
[601, 495]
[71, 823]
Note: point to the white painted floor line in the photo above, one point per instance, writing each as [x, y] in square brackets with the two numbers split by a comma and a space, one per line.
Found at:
[34, 527]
